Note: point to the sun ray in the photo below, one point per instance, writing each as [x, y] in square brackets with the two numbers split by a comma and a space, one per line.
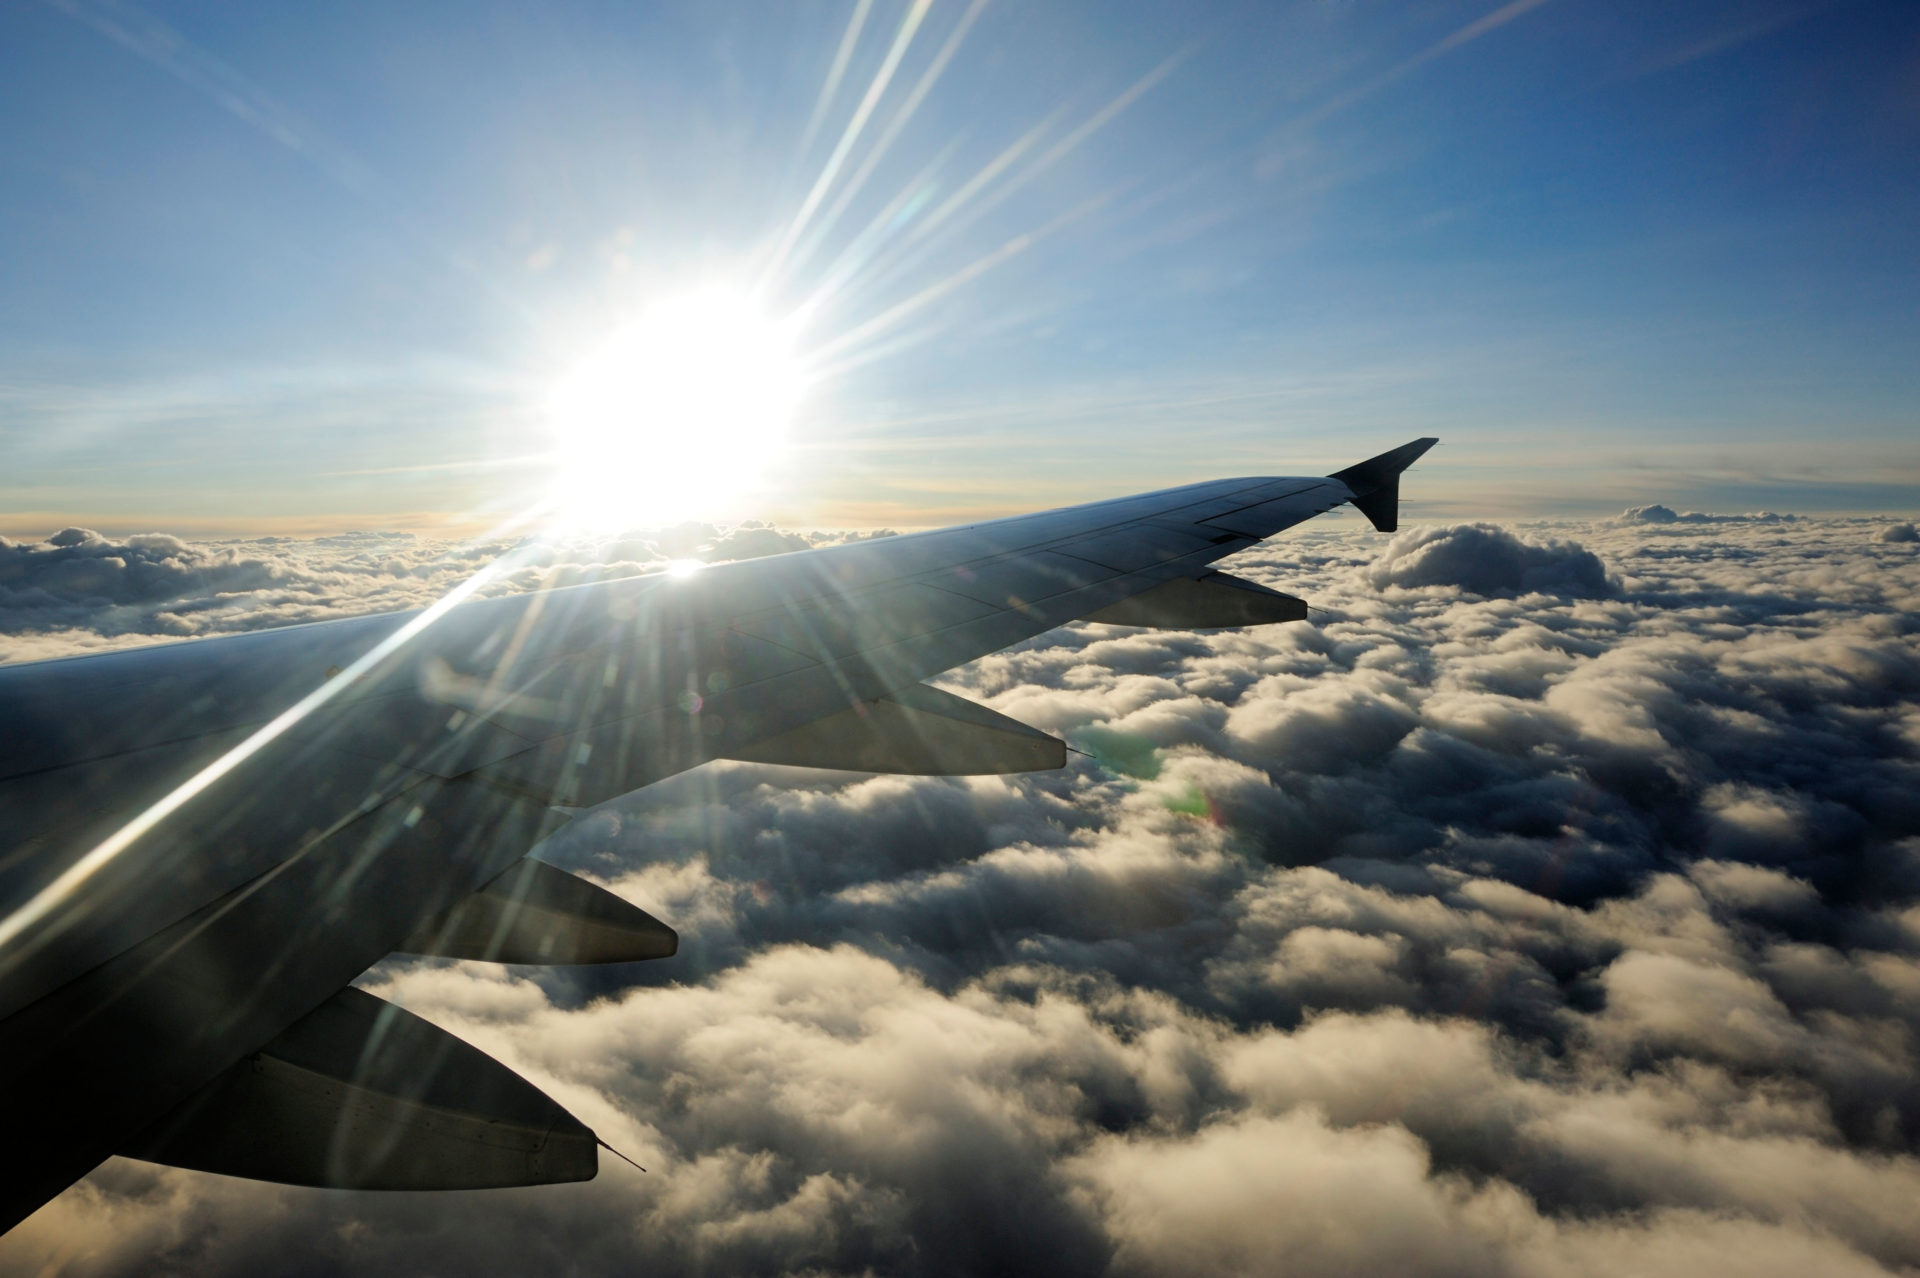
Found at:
[966, 274]
[900, 120]
[835, 73]
[895, 217]
[982, 196]
[850, 135]
[886, 265]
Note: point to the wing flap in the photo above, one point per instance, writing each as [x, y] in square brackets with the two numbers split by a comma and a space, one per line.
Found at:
[919, 731]
[1214, 601]
[536, 913]
[360, 1094]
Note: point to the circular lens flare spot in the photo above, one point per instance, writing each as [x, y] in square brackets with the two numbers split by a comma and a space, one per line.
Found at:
[675, 416]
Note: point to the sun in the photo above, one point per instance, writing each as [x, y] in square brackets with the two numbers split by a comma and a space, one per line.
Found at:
[678, 415]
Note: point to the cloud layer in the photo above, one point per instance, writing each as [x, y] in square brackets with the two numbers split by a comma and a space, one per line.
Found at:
[80, 591]
[1657, 514]
[1549, 905]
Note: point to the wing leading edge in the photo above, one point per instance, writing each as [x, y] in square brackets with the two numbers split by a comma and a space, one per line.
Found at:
[391, 816]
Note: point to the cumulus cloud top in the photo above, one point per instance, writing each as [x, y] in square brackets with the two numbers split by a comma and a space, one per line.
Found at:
[1485, 560]
[1899, 533]
[1658, 514]
[1549, 907]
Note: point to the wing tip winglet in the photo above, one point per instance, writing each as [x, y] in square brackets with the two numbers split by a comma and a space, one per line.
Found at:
[1375, 482]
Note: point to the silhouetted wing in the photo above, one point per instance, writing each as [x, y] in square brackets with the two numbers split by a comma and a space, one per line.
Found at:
[208, 840]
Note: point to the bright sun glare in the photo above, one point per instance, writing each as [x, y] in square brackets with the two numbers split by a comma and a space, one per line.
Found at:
[676, 415]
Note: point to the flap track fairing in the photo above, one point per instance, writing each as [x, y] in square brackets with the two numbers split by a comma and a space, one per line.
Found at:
[535, 913]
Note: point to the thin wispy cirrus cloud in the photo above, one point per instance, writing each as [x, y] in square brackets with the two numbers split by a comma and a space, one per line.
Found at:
[1549, 904]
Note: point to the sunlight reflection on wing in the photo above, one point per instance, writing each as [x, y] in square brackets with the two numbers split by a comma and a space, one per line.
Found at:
[61, 889]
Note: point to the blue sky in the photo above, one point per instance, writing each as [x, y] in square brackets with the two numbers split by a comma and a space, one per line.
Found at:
[292, 268]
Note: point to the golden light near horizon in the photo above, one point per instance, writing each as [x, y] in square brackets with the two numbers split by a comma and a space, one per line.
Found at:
[678, 415]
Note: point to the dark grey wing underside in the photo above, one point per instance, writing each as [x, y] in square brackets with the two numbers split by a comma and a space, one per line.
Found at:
[272, 856]
[360, 1094]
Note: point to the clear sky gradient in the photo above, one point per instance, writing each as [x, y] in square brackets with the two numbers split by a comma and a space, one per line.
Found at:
[300, 268]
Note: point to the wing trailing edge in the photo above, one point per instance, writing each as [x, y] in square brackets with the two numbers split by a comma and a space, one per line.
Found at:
[360, 1094]
[919, 731]
[1212, 601]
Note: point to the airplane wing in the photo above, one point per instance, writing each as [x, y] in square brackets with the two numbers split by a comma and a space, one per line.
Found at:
[207, 842]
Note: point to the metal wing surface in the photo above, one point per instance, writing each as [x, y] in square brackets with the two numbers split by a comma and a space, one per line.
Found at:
[206, 842]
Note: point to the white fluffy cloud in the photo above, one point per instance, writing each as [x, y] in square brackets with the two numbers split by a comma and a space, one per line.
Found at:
[1549, 906]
